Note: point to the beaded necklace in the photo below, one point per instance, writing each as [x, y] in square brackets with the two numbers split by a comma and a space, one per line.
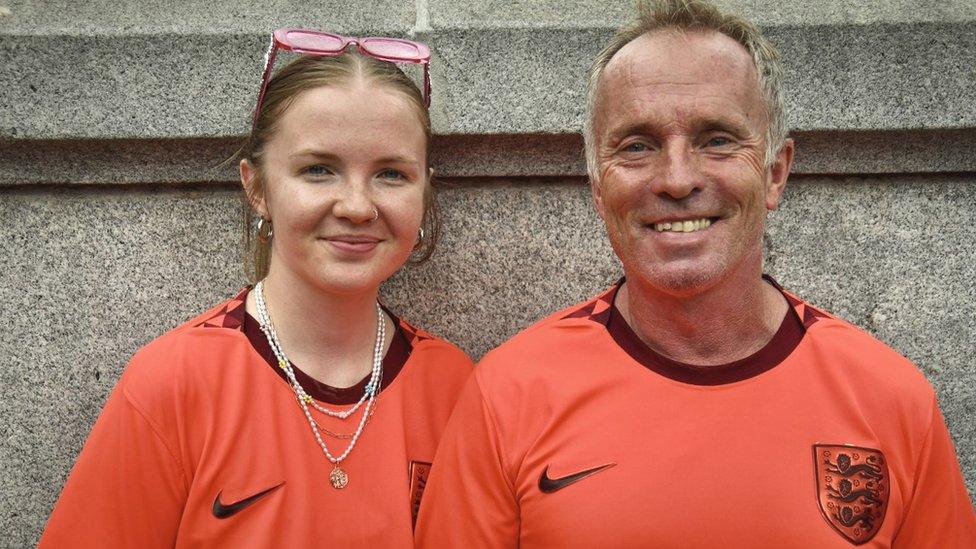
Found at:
[338, 477]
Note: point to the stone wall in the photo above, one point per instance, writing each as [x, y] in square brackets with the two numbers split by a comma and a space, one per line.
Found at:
[121, 220]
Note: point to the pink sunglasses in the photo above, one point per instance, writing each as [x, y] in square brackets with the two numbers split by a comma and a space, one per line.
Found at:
[311, 42]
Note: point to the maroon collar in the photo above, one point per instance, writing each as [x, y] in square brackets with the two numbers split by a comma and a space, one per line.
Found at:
[393, 362]
[787, 337]
[232, 315]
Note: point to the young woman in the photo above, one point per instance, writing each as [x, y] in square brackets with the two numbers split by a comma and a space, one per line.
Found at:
[301, 412]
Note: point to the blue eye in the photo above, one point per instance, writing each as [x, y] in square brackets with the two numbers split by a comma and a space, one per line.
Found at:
[391, 174]
[718, 142]
[318, 170]
[636, 146]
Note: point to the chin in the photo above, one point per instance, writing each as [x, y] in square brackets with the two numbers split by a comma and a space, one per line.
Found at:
[679, 279]
[353, 277]
[347, 283]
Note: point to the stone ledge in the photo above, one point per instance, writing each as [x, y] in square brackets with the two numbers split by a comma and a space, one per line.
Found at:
[181, 161]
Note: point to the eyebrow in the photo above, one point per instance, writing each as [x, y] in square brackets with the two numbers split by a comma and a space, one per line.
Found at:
[638, 128]
[313, 152]
[396, 159]
[391, 159]
[736, 127]
[733, 126]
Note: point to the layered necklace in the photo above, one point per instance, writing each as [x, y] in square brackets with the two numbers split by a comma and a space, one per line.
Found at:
[338, 477]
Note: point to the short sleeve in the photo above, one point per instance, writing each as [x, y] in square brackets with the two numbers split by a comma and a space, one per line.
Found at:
[126, 489]
[469, 500]
[940, 514]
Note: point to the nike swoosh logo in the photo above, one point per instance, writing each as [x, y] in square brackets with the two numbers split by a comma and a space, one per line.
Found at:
[222, 511]
[550, 485]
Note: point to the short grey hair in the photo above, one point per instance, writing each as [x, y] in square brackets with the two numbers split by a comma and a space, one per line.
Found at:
[695, 15]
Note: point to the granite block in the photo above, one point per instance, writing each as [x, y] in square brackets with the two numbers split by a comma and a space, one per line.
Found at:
[90, 277]
[117, 70]
[842, 78]
[519, 71]
[882, 76]
[592, 13]
[510, 80]
[96, 272]
[210, 17]
[129, 86]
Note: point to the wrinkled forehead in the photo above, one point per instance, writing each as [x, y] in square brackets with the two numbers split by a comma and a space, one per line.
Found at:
[674, 58]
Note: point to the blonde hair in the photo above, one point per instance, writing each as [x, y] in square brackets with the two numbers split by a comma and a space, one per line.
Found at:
[695, 15]
[305, 73]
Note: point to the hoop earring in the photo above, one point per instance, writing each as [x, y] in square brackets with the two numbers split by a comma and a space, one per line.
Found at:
[420, 239]
[265, 230]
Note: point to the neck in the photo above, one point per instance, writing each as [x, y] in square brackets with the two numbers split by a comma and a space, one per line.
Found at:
[329, 336]
[717, 325]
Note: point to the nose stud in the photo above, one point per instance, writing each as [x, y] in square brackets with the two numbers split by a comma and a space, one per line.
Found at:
[376, 214]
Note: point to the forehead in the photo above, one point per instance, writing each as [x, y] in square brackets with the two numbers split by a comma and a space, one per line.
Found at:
[682, 73]
[349, 113]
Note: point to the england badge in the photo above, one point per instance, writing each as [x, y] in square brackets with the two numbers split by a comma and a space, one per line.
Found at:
[852, 489]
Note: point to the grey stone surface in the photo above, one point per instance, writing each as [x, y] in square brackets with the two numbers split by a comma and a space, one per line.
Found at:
[116, 70]
[128, 86]
[879, 152]
[846, 77]
[593, 13]
[118, 161]
[879, 76]
[121, 17]
[94, 273]
[498, 68]
[90, 277]
[508, 155]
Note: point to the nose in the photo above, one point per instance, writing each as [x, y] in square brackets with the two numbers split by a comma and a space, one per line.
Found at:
[677, 174]
[354, 201]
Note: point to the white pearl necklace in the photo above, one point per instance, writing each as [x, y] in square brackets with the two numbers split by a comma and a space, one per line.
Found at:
[338, 477]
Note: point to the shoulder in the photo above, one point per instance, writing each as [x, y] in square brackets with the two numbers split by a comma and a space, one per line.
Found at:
[433, 353]
[860, 357]
[548, 343]
[187, 350]
[435, 371]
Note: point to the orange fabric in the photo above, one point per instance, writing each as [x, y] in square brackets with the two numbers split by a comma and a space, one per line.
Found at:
[695, 465]
[198, 411]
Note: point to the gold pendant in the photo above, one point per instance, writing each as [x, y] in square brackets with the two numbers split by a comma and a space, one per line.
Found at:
[339, 478]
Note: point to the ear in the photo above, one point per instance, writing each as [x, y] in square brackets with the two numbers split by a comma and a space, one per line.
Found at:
[597, 191]
[253, 189]
[778, 173]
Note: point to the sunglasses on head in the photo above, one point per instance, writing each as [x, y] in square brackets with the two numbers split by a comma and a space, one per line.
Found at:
[310, 42]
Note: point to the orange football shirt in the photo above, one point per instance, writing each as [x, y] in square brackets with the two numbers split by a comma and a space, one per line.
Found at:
[575, 434]
[202, 444]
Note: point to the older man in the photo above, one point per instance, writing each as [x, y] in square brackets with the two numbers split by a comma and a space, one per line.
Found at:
[695, 403]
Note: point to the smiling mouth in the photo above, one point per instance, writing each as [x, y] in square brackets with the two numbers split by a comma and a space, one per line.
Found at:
[353, 239]
[684, 226]
[350, 243]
